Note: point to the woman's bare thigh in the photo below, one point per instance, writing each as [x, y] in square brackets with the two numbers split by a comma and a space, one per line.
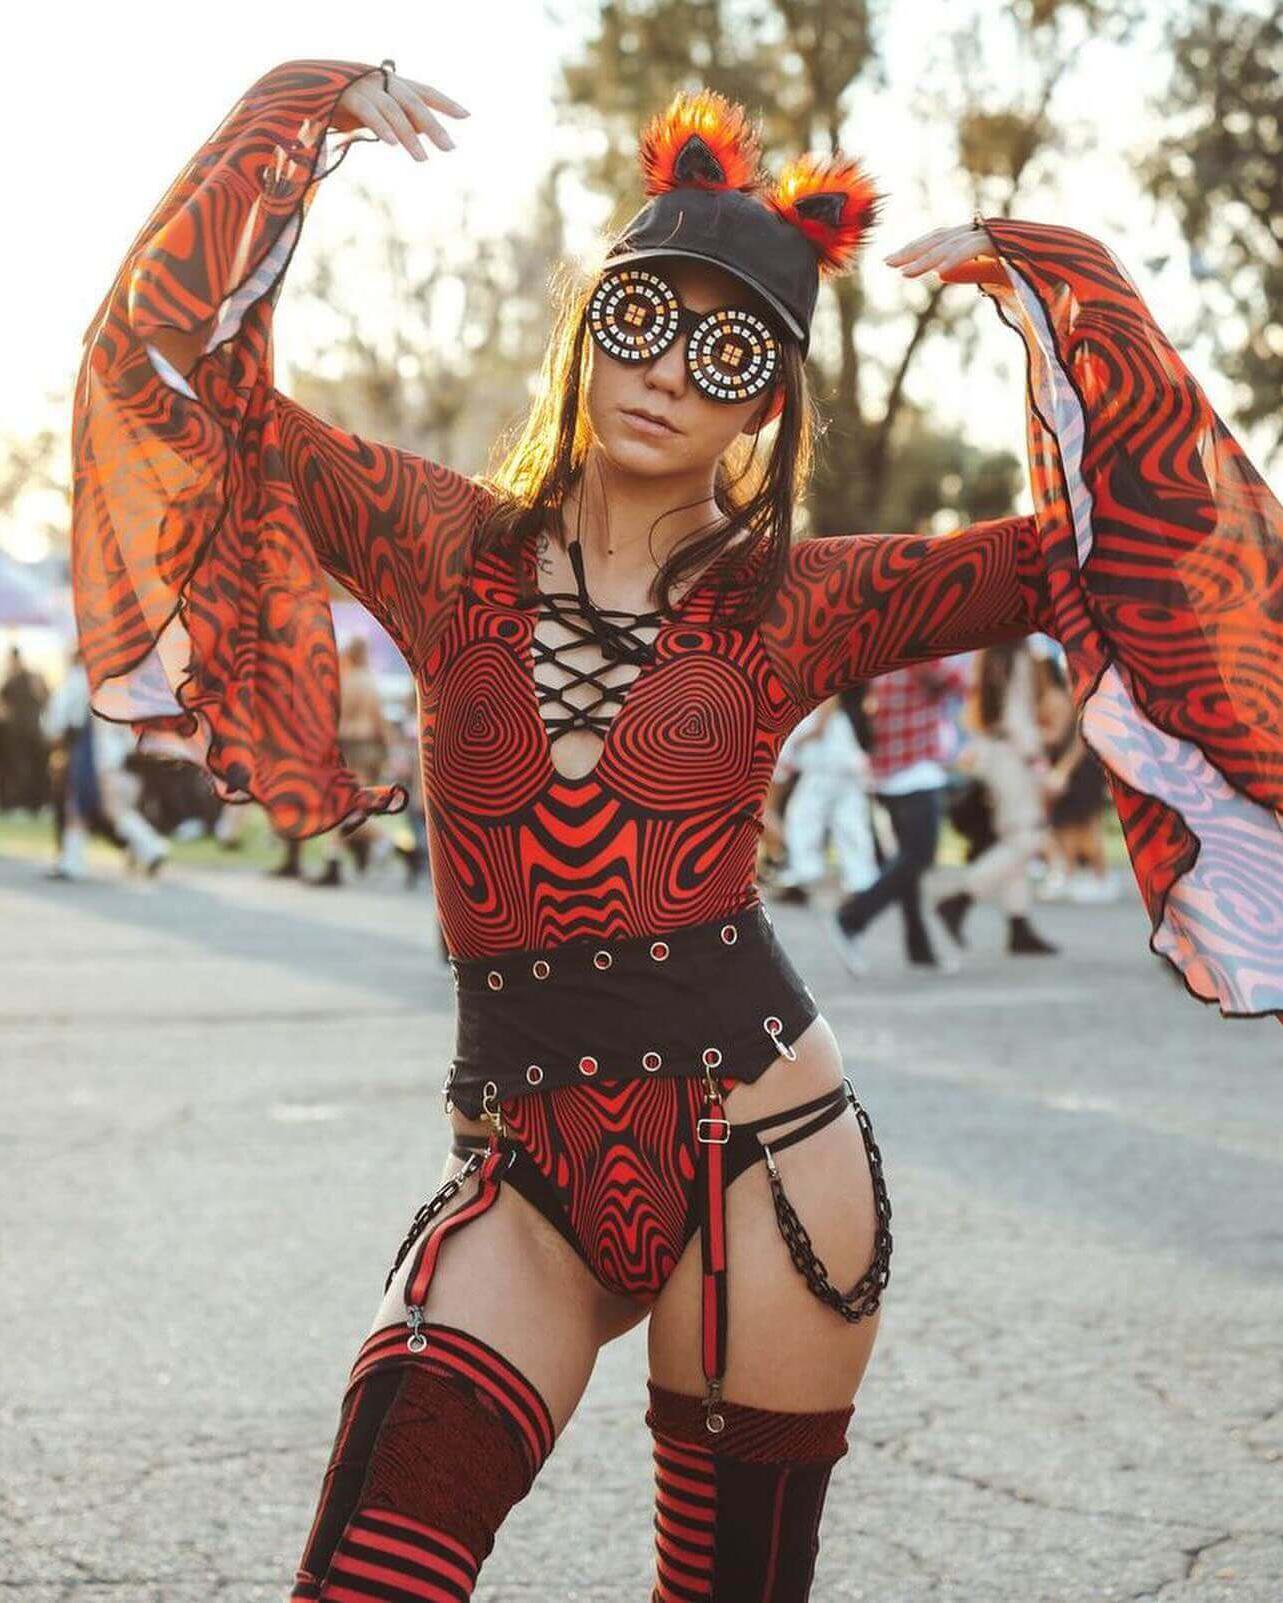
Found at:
[785, 1348]
[510, 1278]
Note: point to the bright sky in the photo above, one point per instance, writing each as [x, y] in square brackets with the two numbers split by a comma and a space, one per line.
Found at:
[104, 112]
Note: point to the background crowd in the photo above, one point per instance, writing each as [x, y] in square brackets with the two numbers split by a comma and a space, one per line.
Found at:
[986, 744]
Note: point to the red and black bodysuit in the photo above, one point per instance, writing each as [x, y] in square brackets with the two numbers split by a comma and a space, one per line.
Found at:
[208, 509]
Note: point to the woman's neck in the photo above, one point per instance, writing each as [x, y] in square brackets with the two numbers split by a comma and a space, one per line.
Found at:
[630, 525]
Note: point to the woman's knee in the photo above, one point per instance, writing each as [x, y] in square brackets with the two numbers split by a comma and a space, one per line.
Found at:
[436, 1442]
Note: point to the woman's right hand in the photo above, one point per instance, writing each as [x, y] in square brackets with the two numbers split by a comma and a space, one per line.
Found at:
[397, 114]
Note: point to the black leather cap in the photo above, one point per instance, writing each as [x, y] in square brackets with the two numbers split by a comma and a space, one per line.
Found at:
[738, 232]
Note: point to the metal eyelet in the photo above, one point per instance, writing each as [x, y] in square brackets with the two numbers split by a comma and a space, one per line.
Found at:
[651, 1062]
[774, 1028]
[602, 959]
[588, 1065]
[659, 950]
[540, 969]
[712, 1057]
[534, 1074]
[494, 980]
[730, 934]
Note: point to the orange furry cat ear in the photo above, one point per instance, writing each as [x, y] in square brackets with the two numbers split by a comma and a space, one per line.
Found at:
[833, 201]
[701, 140]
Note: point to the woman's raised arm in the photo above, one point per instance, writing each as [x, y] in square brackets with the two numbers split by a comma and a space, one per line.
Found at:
[858, 605]
[206, 503]
[1155, 557]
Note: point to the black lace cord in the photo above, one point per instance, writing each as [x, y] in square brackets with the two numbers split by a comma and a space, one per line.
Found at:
[865, 1296]
[618, 640]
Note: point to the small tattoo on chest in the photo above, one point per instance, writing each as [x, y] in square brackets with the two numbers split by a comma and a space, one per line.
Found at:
[541, 552]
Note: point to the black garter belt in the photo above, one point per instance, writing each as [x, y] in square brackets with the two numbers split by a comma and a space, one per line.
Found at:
[726, 1151]
[718, 995]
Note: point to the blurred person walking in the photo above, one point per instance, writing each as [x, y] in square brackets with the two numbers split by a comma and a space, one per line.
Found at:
[1078, 868]
[829, 800]
[95, 791]
[364, 739]
[24, 756]
[641, 1075]
[1005, 755]
[909, 733]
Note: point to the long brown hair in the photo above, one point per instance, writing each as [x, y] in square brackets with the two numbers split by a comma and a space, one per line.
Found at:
[542, 458]
[994, 668]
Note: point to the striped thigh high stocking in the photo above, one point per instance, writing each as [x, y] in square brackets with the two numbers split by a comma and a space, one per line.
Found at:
[737, 1514]
[433, 1449]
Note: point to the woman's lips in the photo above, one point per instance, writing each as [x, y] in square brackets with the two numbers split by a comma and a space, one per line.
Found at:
[645, 425]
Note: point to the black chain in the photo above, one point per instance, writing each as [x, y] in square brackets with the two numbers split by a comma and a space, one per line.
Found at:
[428, 1212]
[866, 1295]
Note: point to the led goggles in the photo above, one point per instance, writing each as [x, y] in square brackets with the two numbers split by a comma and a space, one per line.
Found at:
[732, 355]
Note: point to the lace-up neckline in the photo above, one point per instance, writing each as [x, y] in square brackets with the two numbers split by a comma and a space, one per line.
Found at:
[613, 632]
[582, 677]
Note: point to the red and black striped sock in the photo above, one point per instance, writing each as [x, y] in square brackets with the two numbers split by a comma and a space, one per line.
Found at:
[432, 1451]
[737, 1515]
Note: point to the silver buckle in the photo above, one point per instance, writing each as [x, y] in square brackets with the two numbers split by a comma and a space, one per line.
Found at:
[713, 1140]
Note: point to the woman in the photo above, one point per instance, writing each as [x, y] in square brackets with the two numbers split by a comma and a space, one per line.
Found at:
[1079, 866]
[1005, 755]
[611, 638]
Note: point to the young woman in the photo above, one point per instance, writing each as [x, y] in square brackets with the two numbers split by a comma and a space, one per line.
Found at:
[1079, 866]
[611, 638]
[1004, 752]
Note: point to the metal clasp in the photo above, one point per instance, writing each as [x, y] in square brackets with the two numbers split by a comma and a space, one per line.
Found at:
[724, 1127]
[491, 1112]
[775, 1029]
[415, 1318]
[714, 1419]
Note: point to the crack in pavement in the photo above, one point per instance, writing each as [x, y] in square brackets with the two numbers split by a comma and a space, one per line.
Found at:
[1193, 1558]
[1031, 1499]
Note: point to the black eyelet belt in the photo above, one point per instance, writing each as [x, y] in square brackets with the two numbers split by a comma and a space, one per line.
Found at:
[577, 959]
[720, 995]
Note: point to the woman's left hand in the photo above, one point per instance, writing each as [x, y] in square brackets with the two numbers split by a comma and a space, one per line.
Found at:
[962, 255]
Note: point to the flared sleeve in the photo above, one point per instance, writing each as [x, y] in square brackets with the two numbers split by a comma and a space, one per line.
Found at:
[1162, 550]
[207, 506]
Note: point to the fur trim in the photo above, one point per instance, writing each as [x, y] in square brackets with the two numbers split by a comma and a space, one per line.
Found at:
[701, 140]
[833, 201]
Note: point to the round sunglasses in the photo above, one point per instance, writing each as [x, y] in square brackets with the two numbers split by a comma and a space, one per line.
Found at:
[635, 315]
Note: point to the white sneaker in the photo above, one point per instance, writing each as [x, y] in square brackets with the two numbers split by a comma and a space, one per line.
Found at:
[1092, 890]
[71, 859]
[849, 948]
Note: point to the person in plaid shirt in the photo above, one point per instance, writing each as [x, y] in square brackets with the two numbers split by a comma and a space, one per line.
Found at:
[910, 745]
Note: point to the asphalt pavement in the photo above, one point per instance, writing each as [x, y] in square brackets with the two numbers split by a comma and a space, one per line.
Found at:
[221, 1109]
